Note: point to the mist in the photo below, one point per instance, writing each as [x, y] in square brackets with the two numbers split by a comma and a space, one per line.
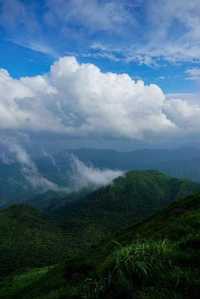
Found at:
[89, 177]
[30, 171]
[80, 175]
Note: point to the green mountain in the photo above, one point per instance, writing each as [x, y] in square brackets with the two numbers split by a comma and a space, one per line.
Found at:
[104, 246]
[155, 255]
[28, 239]
[129, 199]
[155, 259]
[57, 166]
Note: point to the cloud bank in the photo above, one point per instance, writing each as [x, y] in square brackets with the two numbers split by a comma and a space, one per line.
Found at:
[80, 100]
[30, 171]
[81, 175]
[84, 176]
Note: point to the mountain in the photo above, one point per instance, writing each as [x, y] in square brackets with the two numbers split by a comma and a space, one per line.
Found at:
[16, 186]
[157, 253]
[130, 198]
[12, 183]
[28, 239]
[155, 259]
[182, 162]
[179, 221]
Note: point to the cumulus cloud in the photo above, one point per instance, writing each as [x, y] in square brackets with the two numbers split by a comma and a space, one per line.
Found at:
[80, 100]
[185, 114]
[87, 176]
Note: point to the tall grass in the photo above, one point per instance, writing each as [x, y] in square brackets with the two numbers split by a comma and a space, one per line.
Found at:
[140, 261]
[140, 264]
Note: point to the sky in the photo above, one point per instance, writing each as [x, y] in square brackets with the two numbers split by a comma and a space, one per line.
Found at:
[110, 69]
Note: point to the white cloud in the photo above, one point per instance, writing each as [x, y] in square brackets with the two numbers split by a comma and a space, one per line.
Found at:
[23, 103]
[185, 114]
[29, 169]
[20, 22]
[95, 15]
[84, 176]
[193, 74]
[142, 31]
[175, 30]
[171, 32]
[36, 45]
[80, 100]
[188, 96]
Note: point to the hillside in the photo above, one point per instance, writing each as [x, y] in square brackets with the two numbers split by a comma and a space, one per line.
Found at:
[67, 251]
[28, 239]
[157, 253]
[143, 262]
[129, 199]
[57, 167]
[177, 221]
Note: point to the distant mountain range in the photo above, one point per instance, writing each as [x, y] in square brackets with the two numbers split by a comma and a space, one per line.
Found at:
[53, 172]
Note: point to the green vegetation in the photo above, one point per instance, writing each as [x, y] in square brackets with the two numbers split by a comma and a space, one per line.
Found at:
[157, 263]
[28, 240]
[155, 258]
[157, 254]
[128, 200]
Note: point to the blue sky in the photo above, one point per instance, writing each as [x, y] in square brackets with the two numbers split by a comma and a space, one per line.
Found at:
[125, 70]
[157, 41]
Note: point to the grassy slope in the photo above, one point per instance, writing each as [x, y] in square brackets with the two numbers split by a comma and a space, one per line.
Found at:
[28, 239]
[158, 253]
[156, 259]
[129, 199]
[180, 219]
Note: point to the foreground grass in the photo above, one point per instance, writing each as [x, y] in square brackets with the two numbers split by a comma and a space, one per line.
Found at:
[149, 269]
